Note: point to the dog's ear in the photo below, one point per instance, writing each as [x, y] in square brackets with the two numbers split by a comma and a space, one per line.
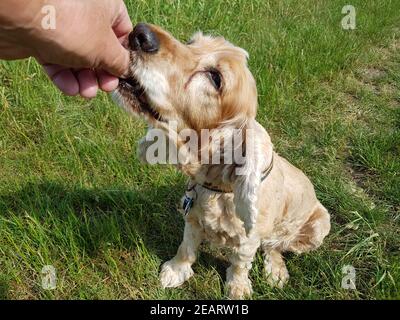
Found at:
[248, 180]
[246, 195]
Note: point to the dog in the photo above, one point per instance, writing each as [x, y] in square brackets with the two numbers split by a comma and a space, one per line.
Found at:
[269, 204]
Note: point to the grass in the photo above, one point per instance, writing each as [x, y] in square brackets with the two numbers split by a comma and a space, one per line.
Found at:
[73, 195]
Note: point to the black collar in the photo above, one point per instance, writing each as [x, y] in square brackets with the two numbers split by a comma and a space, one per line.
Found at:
[210, 187]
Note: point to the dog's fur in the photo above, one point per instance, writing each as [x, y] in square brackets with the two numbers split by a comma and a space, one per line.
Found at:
[278, 214]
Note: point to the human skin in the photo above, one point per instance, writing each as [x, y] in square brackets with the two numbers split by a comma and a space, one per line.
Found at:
[83, 53]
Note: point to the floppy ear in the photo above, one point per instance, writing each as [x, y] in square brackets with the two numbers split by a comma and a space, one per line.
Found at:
[247, 182]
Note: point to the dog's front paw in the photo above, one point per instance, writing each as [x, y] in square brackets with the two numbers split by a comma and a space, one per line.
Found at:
[278, 278]
[238, 284]
[239, 290]
[174, 274]
[277, 273]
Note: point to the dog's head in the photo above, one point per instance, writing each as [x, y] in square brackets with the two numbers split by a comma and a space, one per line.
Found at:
[199, 85]
[204, 84]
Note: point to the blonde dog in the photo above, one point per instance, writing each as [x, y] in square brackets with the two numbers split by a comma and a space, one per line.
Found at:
[206, 84]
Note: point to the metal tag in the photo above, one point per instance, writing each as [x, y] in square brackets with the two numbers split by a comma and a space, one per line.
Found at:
[187, 204]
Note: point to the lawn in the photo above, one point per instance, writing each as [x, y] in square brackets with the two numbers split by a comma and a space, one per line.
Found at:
[73, 194]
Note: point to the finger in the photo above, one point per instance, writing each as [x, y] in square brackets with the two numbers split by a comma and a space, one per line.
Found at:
[122, 24]
[63, 78]
[107, 82]
[87, 83]
[115, 58]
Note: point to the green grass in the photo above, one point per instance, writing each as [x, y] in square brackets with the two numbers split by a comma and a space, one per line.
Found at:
[73, 194]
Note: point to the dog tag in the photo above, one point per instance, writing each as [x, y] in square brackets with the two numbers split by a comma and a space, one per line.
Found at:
[187, 204]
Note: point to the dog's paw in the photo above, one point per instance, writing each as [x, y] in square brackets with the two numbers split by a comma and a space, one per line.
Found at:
[238, 285]
[276, 273]
[239, 290]
[278, 278]
[174, 274]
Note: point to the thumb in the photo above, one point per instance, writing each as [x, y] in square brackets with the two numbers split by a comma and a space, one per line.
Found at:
[115, 58]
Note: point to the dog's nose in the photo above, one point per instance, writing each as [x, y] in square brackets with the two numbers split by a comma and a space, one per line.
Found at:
[142, 38]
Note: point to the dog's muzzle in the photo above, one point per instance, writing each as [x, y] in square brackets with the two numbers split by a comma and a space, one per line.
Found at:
[143, 39]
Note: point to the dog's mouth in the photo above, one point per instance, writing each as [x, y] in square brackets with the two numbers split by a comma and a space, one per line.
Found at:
[137, 98]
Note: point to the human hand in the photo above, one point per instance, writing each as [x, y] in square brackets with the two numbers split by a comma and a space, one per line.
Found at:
[84, 52]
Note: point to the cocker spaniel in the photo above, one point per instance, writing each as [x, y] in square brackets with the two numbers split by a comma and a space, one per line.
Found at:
[261, 201]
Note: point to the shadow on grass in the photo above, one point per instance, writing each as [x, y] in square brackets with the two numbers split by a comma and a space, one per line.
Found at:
[95, 218]
[4, 288]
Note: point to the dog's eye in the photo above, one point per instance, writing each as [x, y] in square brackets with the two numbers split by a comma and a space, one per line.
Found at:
[215, 78]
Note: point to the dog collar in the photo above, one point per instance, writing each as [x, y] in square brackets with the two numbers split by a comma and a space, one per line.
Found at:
[265, 175]
[188, 201]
